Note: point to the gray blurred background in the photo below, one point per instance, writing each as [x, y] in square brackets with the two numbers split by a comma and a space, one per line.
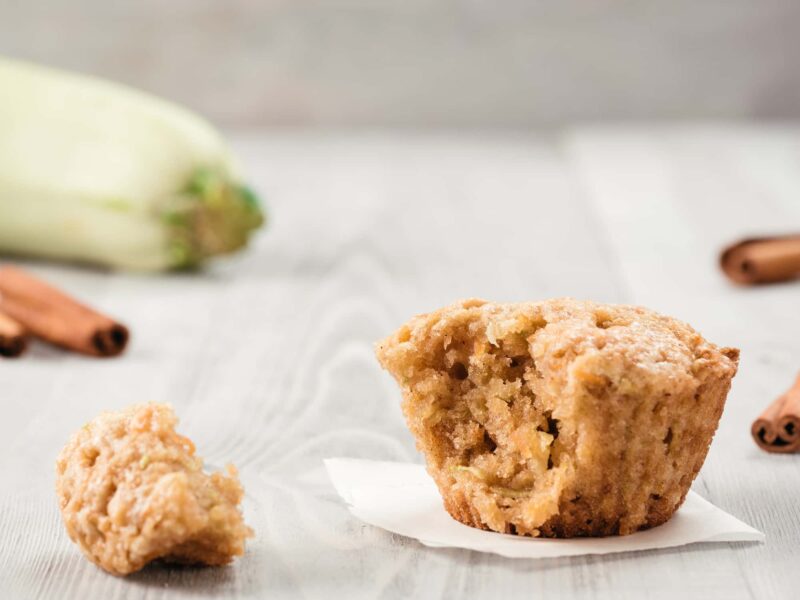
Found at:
[429, 63]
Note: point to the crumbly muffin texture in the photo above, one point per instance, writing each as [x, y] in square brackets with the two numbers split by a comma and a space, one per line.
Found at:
[131, 490]
[559, 418]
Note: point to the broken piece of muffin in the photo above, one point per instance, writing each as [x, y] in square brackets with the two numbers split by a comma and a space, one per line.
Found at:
[131, 490]
[559, 418]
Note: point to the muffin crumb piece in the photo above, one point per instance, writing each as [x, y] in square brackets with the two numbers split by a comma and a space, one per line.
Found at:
[131, 490]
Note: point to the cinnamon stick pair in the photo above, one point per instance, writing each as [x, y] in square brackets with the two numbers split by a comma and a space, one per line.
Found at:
[777, 429]
[762, 260]
[29, 305]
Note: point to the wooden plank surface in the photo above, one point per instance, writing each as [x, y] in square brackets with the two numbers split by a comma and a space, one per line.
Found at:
[268, 361]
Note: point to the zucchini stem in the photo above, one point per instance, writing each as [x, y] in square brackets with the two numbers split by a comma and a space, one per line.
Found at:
[212, 215]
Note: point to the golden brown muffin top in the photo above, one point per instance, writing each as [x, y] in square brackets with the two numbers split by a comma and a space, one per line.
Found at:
[607, 338]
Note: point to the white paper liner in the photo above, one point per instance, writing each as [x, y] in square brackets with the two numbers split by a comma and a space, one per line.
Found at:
[403, 499]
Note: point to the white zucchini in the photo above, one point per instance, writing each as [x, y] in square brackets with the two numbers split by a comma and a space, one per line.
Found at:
[94, 172]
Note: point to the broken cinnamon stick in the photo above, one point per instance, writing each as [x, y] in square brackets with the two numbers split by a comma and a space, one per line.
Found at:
[57, 318]
[12, 337]
[777, 429]
[762, 260]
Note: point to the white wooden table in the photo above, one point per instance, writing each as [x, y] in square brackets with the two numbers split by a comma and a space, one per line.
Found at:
[268, 357]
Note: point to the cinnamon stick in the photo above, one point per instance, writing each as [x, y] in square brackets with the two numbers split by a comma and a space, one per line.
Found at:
[777, 429]
[56, 317]
[12, 337]
[762, 260]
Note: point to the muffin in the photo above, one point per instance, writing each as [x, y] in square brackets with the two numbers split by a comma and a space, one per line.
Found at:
[559, 418]
[131, 490]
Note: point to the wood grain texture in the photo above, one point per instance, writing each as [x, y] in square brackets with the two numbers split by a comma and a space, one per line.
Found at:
[268, 360]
